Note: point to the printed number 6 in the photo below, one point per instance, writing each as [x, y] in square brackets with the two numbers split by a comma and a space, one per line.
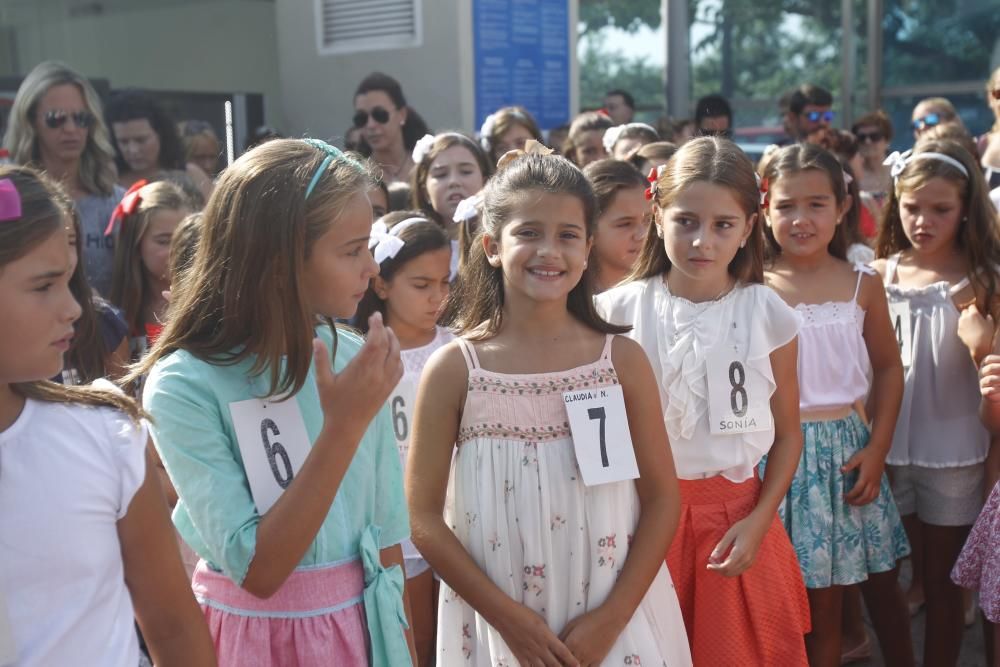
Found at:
[275, 450]
[600, 414]
[739, 391]
[399, 424]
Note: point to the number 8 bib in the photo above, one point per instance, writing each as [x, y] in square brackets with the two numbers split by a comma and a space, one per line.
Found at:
[738, 401]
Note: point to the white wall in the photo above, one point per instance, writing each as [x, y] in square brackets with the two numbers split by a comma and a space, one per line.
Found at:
[211, 46]
[317, 91]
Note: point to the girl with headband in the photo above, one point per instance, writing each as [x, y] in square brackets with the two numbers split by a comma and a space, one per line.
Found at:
[939, 249]
[273, 423]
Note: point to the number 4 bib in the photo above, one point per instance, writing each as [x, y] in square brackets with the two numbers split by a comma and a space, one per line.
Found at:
[274, 445]
[899, 314]
[738, 401]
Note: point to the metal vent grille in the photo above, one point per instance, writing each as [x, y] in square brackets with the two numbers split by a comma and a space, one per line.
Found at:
[348, 26]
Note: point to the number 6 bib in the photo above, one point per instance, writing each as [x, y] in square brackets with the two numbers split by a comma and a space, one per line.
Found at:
[274, 444]
[738, 400]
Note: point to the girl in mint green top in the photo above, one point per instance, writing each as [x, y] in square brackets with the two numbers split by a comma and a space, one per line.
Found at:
[285, 464]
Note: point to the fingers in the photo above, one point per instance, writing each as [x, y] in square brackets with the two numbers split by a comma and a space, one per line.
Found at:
[720, 549]
[321, 360]
[852, 463]
[393, 359]
[563, 656]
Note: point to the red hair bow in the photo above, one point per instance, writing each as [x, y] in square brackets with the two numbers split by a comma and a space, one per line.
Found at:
[127, 206]
[604, 112]
[763, 192]
[653, 178]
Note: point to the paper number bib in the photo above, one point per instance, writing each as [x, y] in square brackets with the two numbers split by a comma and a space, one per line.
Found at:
[899, 314]
[401, 403]
[738, 400]
[601, 438]
[274, 444]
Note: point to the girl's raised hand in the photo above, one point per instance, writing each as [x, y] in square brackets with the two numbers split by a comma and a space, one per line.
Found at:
[744, 537]
[357, 393]
[532, 641]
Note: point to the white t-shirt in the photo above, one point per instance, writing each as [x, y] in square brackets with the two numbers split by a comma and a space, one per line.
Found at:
[414, 361]
[680, 338]
[67, 475]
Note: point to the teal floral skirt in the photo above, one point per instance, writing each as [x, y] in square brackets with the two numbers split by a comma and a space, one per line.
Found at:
[837, 543]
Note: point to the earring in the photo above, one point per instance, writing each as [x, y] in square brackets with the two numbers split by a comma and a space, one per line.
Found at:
[743, 243]
[659, 231]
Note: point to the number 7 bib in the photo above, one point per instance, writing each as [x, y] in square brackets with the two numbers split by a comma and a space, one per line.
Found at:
[601, 437]
[738, 401]
[274, 445]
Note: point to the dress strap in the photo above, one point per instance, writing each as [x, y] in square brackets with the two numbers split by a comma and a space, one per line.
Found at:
[469, 352]
[606, 352]
[890, 268]
[959, 286]
[861, 269]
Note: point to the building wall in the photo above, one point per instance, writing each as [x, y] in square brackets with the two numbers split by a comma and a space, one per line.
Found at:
[214, 46]
[317, 91]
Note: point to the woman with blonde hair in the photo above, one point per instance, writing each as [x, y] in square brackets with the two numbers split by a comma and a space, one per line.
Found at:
[56, 124]
[989, 143]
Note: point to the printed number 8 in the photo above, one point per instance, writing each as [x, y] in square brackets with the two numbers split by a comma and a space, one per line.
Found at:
[399, 424]
[739, 407]
[275, 450]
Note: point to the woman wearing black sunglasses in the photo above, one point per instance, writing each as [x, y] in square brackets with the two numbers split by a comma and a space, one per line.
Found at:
[874, 133]
[989, 143]
[56, 125]
[389, 128]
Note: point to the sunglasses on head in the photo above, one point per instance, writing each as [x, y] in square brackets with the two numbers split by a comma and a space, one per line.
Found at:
[816, 116]
[378, 114]
[930, 120]
[872, 137]
[56, 118]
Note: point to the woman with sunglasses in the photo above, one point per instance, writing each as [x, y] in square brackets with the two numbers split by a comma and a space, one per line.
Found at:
[389, 128]
[989, 143]
[874, 132]
[56, 126]
[932, 111]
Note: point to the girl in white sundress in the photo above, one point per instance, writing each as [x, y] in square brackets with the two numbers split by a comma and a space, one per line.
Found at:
[562, 499]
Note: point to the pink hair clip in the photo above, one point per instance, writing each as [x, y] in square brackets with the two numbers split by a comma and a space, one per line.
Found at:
[10, 201]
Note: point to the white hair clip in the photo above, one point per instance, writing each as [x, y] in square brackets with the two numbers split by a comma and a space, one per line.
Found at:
[468, 208]
[385, 243]
[486, 131]
[611, 136]
[897, 161]
[421, 148]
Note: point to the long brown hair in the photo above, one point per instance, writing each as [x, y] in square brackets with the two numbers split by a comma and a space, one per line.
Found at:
[87, 354]
[977, 236]
[710, 160]
[418, 183]
[504, 119]
[243, 295]
[43, 213]
[129, 282]
[477, 299]
[798, 158]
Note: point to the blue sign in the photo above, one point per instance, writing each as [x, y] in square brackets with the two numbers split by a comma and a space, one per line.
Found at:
[521, 55]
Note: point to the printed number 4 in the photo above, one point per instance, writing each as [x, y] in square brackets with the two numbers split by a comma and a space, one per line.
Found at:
[273, 451]
[601, 414]
[898, 327]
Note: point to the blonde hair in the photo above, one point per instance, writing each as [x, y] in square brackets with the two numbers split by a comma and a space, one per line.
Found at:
[243, 295]
[45, 209]
[97, 172]
[128, 277]
[719, 162]
[992, 84]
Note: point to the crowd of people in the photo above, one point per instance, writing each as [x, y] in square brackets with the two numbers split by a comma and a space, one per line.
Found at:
[607, 394]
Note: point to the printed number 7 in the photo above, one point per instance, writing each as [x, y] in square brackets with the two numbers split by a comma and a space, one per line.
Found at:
[599, 413]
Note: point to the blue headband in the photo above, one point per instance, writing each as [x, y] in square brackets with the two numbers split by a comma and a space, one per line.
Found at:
[332, 153]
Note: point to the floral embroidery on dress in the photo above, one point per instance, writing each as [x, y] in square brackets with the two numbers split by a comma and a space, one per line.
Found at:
[557, 522]
[530, 435]
[483, 383]
[606, 548]
[632, 660]
[533, 576]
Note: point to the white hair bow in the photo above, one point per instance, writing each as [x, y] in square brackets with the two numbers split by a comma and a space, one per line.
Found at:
[611, 136]
[486, 131]
[468, 208]
[422, 147]
[897, 163]
[383, 244]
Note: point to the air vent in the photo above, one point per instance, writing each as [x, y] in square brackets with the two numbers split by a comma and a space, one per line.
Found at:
[349, 26]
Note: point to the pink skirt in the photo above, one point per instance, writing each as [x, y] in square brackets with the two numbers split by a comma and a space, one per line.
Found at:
[978, 566]
[316, 618]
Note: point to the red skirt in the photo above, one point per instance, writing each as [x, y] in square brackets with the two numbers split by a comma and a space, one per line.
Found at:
[757, 618]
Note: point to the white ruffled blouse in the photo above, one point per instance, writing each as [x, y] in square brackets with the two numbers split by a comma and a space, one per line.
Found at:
[678, 335]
